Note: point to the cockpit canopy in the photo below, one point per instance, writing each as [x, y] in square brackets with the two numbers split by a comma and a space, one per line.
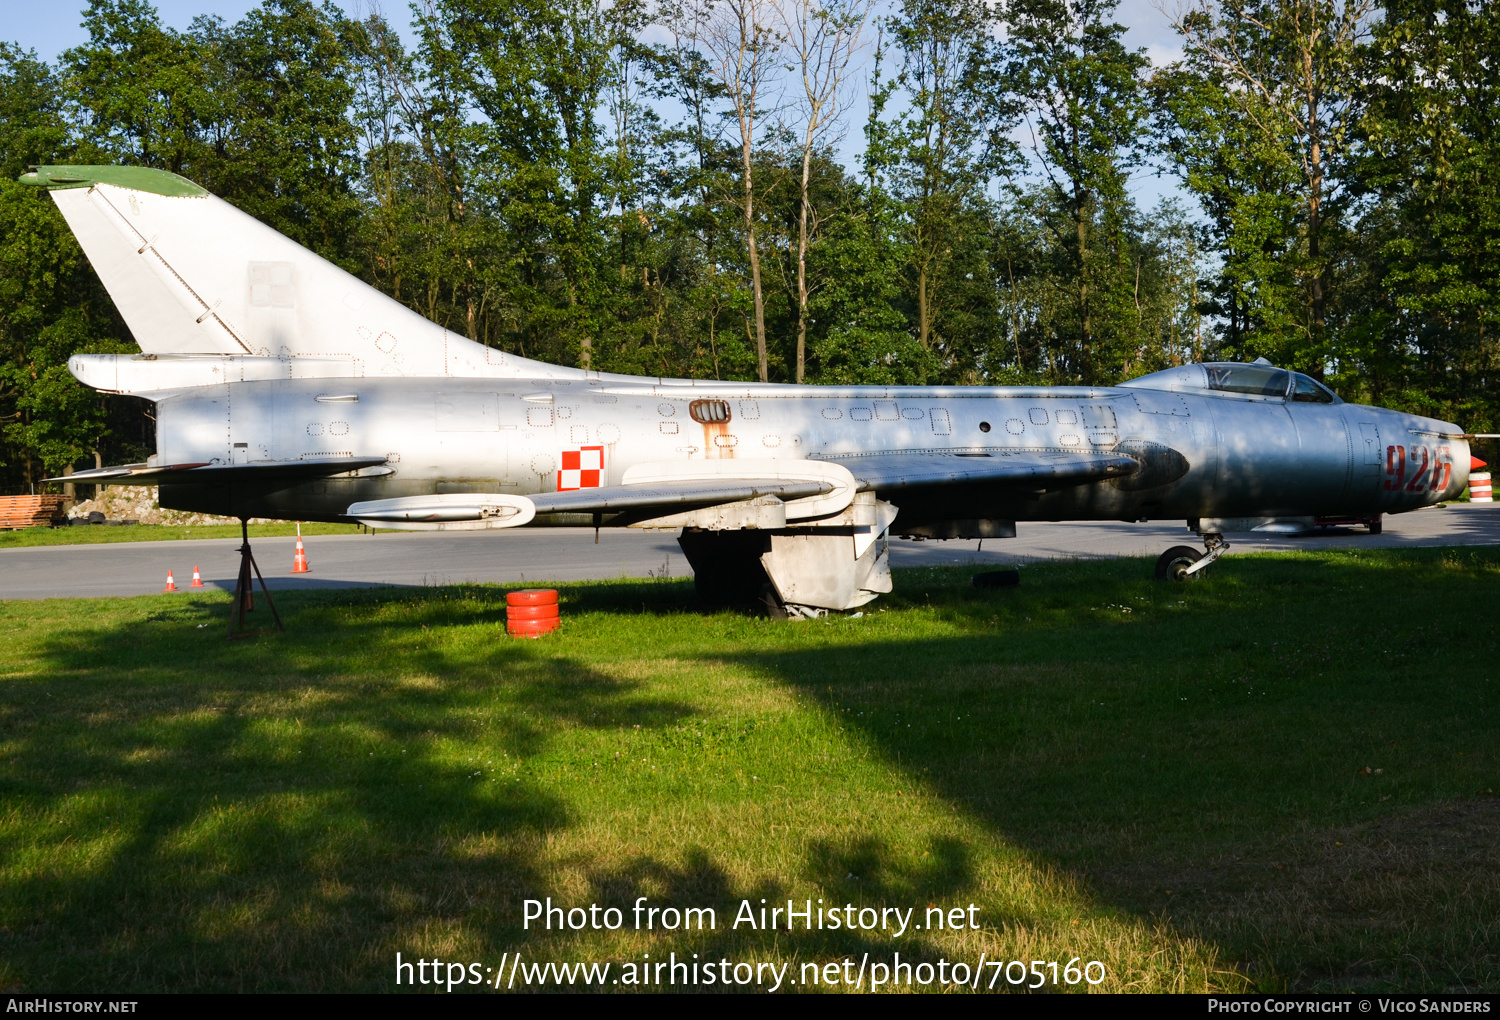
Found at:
[1259, 379]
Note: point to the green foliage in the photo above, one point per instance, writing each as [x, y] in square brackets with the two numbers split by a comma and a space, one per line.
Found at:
[1262, 113]
[257, 112]
[137, 87]
[1422, 325]
[862, 336]
[33, 125]
[1246, 184]
[1084, 98]
[935, 158]
[50, 309]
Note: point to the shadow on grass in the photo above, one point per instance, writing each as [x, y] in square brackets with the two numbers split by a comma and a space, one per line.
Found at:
[189, 813]
[1257, 758]
[285, 813]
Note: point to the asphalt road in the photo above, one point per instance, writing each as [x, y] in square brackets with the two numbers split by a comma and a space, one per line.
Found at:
[536, 555]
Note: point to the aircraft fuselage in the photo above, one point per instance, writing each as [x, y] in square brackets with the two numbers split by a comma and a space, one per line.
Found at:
[1205, 455]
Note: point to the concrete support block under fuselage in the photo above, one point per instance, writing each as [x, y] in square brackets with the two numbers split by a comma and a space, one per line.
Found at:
[812, 570]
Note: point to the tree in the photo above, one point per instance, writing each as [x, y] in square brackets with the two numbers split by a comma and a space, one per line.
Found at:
[822, 39]
[937, 155]
[860, 335]
[257, 112]
[1247, 185]
[275, 129]
[33, 121]
[696, 175]
[742, 47]
[1419, 323]
[137, 88]
[51, 304]
[536, 71]
[1175, 241]
[50, 309]
[1289, 71]
[1083, 93]
[436, 229]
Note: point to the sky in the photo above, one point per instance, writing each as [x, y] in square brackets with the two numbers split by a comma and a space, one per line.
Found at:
[43, 28]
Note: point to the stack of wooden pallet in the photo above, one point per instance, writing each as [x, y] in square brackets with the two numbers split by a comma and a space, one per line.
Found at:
[31, 511]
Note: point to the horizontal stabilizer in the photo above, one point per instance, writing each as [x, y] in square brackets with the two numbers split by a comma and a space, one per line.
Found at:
[220, 474]
[905, 472]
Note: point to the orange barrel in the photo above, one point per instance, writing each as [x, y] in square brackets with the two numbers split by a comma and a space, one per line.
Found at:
[532, 597]
[531, 628]
[1480, 490]
[532, 612]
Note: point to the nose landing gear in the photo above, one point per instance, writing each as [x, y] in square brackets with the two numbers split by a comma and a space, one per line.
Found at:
[1182, 562]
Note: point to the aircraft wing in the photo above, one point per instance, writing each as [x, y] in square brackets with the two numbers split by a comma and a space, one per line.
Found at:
[906, 472]
[673, 495]
[666, 496]
[463, 511]
[221, 474]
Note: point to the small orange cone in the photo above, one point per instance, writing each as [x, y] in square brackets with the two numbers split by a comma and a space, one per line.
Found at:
[171, 584]
[197, 579]
[299, 558]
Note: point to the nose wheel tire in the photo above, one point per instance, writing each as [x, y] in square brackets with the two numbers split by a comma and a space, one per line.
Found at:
[1172, 565]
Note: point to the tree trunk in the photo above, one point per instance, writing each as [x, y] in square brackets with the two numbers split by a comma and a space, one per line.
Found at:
[1315, 216]
[1086, 339]
[802, 266]
[743, 56]
[760, 307]
[922, 329]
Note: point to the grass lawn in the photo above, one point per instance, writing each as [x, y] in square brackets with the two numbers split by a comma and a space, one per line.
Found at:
[1280, 776]
[90, 534]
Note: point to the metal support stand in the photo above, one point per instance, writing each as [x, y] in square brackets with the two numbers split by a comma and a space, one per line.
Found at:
[244, 589]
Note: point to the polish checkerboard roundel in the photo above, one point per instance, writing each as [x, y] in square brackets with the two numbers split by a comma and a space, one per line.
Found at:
[582, 468]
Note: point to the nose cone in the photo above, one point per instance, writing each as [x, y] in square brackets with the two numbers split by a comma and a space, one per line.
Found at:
[1475, 464]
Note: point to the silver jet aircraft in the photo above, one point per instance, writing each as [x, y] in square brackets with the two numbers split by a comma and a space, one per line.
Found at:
[287, 388]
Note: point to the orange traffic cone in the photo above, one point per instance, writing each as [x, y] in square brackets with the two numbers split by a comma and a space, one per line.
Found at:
[197, 579]
[171, 584]
[299, 558]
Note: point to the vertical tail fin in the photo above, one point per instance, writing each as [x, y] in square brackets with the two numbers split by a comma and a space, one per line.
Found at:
[191, 274]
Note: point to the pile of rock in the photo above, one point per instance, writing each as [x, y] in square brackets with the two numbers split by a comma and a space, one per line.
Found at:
[138, 503]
